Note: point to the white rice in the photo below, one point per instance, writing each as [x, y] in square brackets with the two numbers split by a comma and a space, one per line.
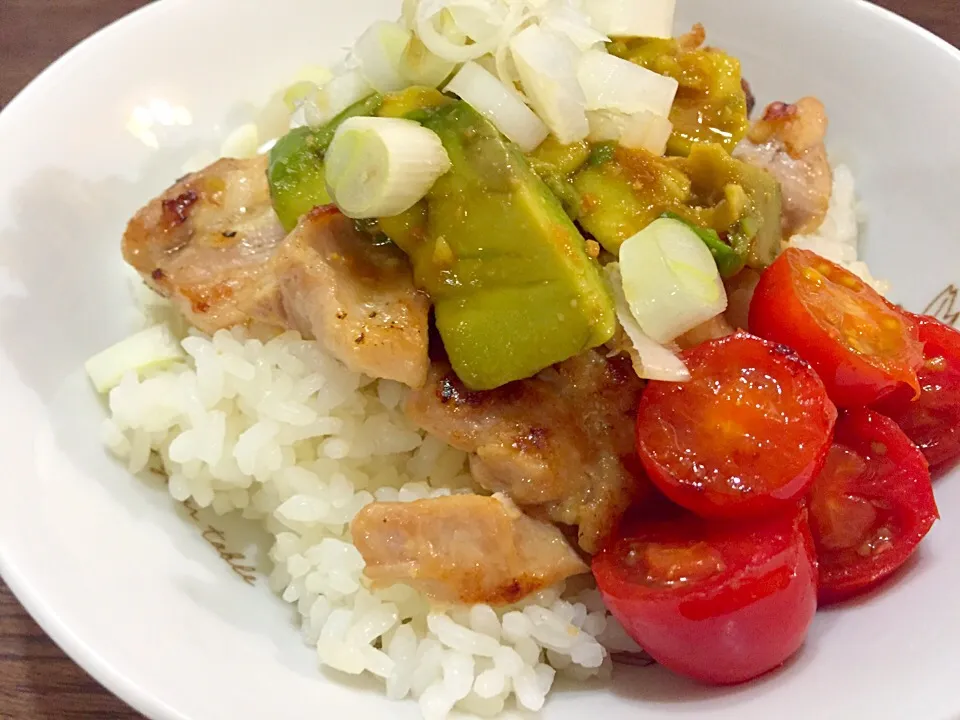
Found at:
[284, 435]
[838, 238]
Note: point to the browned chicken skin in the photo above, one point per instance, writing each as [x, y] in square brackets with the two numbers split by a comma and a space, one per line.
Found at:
[740, 290]
[462, 549]
[213, 245]
[788, 141]
[560, 445]
[205, 243]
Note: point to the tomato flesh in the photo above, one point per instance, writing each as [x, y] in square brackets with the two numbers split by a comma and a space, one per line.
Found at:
[932, 420]
[861, 346]
[718, 602]
[714, 444]
[870, 507]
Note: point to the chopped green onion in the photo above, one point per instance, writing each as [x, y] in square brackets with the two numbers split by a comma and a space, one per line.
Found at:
[151, 348]
[549, 76]
[379, 51]
[241, 143]
[650, 360]
[294, 95]
[421, 67]
[642, 129]
[296, 164]
[729, 261]
[364, 108]
[339, 93]
[492, 99]
[670, 279]
[630, 18]
[612, 83]
[379, 167]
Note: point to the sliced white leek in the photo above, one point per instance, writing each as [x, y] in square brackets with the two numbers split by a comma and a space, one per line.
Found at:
[379, 167]
[154, 347]
[408, 14]
[479, 20]
[640, 130]
[489, 97]
[650, 360]
[565, 19]
[506, 70]
[606, 125]
[612, 83]
[267, 146]
[241, 143]
[419, 66]
[304, 83]
[295, 95]
[298, 118]
[317, 74]
[453, 44]
[341, 92]
[670, 280]
[647, 131]
[378, 51]
[546, 68]
[276, 117]
[632, 18]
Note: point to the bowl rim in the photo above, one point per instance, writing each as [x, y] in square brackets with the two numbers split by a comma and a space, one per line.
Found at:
[86, 655]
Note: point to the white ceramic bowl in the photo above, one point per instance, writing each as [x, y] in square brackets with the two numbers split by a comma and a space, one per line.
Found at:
[129, 586]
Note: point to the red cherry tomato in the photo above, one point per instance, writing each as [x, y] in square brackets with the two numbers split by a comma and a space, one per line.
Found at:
[860, 345]
[746, 435]
[932, 420]
[719, 602]
[871, 505]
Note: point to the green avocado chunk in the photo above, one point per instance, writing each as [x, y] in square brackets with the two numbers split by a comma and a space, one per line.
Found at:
[738, 199]
[513, 288]
[623, 191]
[555, 164]
[295, 170]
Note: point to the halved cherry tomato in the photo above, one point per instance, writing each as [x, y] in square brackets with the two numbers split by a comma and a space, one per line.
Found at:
[932, 421]
[860, 345]
[870, 507]
[746, 435]
[719, 602]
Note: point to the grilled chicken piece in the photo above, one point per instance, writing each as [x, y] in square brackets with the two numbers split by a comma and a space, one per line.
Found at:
[213, 245]
[740, 290]
[205, 243]
[560, 445]
[788, 142]
[462, 549]
[334, 283]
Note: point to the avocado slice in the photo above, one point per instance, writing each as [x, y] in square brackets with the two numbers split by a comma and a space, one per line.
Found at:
[513, 287]
[625, 190]
[622, 191]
